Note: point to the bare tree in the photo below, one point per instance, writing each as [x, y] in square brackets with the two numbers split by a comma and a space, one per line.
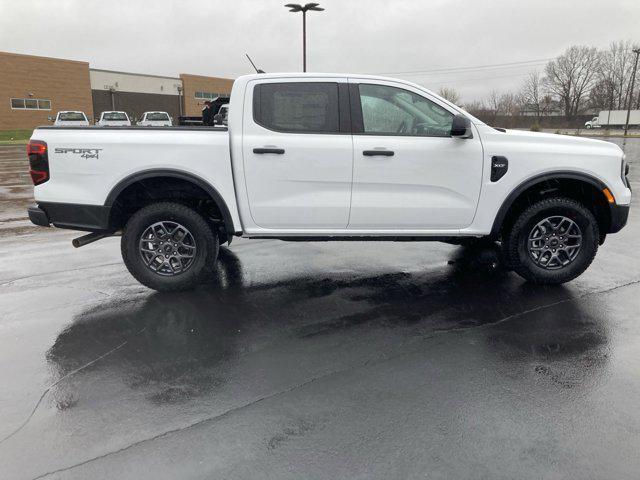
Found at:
[509, 104]
[503, 103]
[614, 74]
[494, 102]
[532, 95]
[571, 76]
[450, 94]
[477, 108]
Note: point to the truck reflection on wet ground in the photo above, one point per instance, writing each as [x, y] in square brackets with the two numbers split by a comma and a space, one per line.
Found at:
[184, 345]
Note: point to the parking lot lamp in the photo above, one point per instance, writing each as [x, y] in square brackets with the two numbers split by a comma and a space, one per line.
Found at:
[633, 84]
[295, 8]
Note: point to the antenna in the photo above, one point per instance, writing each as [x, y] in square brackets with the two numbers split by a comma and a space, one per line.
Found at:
[253, 64]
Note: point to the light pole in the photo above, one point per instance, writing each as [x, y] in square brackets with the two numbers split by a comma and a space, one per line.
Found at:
[295, 8]
[633, 84]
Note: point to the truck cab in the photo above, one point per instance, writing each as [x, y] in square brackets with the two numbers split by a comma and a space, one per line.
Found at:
[71, 118]
[155, 119]
[114, 119]
[593, 123]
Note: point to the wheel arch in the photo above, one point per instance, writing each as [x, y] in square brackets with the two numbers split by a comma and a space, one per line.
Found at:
[199, 182]
[517, 193]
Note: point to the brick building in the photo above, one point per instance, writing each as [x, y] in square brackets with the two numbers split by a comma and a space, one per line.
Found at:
[32, 89]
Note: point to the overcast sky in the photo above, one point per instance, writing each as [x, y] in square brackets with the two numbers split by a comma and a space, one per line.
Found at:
[210, 37]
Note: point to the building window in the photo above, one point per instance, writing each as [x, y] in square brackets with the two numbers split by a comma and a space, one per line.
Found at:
[30, 104]
[208, 95]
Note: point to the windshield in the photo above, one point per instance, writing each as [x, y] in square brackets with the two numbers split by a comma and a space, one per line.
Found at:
[118, 116]
[72, 116]
[158, 116]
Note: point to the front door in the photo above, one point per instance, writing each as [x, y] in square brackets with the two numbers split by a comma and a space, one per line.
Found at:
[409, 173]
[298, 154]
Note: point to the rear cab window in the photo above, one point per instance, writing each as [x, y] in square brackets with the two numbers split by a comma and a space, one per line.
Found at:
[72, 117]
[157, 117]
[114, 116]
[297, 107]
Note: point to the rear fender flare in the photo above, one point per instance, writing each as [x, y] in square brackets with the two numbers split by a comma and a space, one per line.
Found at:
[203, 184]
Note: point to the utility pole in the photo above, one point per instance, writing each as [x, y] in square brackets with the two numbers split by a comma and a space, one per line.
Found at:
[633, 84]
[295, 8]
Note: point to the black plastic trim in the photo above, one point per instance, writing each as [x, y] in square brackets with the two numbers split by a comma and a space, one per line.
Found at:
[74, 216]
[511, 198]
[38, 216]
[619, 217]
[378, 153]
[206, 186]
[499, 167]
[260, 151]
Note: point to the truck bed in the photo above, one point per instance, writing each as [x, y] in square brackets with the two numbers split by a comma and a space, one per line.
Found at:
[87, 163]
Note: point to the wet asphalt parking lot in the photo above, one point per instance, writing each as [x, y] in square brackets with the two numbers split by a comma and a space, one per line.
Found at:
[319, 360]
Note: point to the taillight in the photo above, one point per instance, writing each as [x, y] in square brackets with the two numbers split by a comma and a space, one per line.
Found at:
[38, 161]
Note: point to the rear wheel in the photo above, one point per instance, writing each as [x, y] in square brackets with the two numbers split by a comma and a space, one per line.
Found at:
[168, 247]
[553, 241]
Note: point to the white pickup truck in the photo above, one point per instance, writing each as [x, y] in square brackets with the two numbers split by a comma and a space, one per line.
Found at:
[330, 157]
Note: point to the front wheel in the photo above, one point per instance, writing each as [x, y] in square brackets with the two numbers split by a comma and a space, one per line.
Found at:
[168, 247]
[552, 242]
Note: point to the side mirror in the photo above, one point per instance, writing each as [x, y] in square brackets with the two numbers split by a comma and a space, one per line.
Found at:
[50, 118]
[461, 127]
[217, 119]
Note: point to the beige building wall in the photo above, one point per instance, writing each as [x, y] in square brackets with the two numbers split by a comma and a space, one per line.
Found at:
[197, 83]
[64, 82]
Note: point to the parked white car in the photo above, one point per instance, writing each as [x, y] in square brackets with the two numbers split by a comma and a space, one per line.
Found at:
[331, 157]
[155, 119]
[114, 119]
[71, 118]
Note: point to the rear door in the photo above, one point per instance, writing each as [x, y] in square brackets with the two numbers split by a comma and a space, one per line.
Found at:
[409, 173]
[298, 153]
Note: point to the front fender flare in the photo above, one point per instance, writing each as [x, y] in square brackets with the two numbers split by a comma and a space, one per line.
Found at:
[516, 192]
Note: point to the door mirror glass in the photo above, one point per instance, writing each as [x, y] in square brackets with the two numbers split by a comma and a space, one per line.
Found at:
[461, 127]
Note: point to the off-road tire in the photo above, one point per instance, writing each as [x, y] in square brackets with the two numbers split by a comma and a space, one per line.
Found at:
[515, 240]
[206, 241]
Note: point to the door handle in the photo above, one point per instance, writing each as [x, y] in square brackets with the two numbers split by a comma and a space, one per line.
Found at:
[260, 151]
[381, 153]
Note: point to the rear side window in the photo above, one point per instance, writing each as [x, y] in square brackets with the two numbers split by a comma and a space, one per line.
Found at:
[297, 107]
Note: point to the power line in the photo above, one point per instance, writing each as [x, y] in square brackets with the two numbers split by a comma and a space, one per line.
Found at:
[524, 63]
[461, 72]
[447, 82]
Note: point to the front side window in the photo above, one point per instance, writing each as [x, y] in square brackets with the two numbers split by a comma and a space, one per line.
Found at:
[297, 107]
[394, 111]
